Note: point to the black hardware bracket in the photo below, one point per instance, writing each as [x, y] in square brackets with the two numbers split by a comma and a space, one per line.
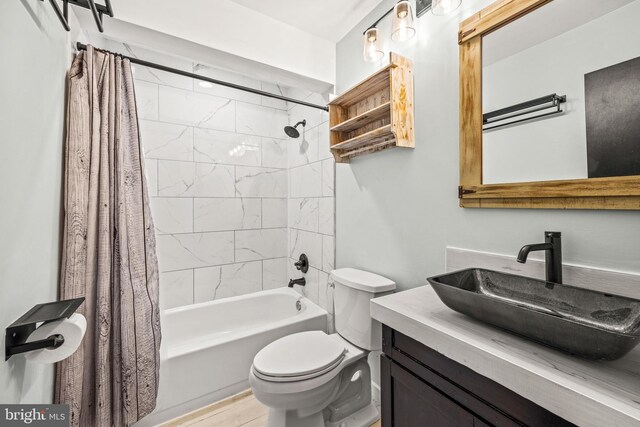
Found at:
[97, 10]
[462, 191]
[15, 341]
[524, 108]
[422, 7]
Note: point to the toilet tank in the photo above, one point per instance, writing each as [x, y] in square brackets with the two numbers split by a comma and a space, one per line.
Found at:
[353, 291]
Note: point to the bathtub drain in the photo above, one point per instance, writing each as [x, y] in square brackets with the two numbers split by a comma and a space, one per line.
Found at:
[298, 305]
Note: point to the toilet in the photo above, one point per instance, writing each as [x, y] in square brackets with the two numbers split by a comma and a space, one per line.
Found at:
[313, 379]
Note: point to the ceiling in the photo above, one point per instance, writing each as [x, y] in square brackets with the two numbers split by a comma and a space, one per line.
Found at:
[328, 19]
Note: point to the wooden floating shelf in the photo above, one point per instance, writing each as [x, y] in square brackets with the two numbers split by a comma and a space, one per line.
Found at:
[375, 114]
[372, 137]
[367, 87]
[368, 149]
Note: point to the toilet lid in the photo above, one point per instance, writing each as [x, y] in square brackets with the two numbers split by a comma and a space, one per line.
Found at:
[299, 355]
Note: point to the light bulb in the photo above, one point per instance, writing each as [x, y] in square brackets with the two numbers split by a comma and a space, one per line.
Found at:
[372, 51]
[443, 7]
[403, 26]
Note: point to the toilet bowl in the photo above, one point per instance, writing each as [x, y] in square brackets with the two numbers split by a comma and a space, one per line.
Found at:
[314, 379]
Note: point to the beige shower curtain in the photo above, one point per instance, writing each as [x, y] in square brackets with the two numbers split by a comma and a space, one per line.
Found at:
[109, 250]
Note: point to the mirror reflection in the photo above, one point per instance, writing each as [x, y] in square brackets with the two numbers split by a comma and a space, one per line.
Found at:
[561, 93]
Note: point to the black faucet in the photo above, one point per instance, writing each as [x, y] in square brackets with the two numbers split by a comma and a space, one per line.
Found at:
[552, 248]
[301, 281]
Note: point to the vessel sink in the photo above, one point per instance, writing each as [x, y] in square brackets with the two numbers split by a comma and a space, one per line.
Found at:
[582, 322]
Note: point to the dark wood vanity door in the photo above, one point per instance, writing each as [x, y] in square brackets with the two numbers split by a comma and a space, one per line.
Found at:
[421, 387]
[416, 404]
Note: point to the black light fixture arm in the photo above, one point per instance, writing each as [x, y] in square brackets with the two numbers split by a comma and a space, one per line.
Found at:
[375, 24]
[421, 5]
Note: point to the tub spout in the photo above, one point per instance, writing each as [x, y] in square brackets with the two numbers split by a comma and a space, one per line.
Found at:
[301, 281]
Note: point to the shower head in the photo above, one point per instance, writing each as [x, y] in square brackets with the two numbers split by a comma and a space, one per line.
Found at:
[292, 132]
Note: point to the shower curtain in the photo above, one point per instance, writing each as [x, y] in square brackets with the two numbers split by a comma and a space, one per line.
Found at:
[109, 254]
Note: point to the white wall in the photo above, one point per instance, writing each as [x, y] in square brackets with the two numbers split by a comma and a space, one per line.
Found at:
[232, 28]
[36, 53]
[397, 210]
[555, 147]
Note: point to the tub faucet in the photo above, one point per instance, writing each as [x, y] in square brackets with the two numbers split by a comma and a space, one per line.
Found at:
[552, 248]
[301, 281]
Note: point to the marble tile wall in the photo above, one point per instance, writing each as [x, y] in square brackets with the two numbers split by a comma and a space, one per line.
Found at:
[233, 199]
[217, 168]
[311, 209]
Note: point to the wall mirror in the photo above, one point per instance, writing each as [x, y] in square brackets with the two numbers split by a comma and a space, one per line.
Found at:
[550, 105]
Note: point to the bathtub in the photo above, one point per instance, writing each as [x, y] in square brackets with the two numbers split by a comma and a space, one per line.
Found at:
[207, 349]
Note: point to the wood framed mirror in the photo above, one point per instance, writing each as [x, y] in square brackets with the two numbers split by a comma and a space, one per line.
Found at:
[584, 181]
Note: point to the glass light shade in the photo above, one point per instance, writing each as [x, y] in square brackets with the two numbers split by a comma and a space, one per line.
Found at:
[403, 26]
[372, 50]
[442, 7]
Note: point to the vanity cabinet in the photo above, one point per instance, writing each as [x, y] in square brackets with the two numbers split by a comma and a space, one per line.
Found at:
[421, 387]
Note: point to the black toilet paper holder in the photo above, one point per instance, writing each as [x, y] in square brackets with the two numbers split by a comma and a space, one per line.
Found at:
[15, 341]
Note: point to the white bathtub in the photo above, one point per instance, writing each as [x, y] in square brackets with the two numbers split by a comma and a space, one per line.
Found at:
[207, 349]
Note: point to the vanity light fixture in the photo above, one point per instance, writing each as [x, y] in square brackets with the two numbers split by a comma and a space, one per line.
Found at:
[443, 7]
[403, 24]
[372, 49]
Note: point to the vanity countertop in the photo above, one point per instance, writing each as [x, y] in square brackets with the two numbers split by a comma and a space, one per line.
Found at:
[584, 392]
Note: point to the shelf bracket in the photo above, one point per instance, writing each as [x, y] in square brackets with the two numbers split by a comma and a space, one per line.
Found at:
[97, 10]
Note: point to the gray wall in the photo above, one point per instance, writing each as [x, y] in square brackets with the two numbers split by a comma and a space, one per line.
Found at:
[397, 210]
[35, 52]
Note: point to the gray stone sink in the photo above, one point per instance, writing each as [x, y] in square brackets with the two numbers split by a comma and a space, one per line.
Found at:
[582, 322]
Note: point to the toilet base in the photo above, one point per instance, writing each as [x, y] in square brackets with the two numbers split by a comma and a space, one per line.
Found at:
[362, 418]
[351, 404]
[289, 418]
[338, 398]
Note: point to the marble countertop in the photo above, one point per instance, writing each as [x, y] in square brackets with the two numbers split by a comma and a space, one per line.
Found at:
[584, 392]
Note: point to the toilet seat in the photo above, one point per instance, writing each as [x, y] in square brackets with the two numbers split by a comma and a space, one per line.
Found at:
[299, 357]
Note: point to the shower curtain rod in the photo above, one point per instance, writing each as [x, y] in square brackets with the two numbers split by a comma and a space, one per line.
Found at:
[81, 46]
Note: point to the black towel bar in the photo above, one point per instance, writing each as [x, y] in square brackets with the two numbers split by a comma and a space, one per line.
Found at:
[528, 107]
